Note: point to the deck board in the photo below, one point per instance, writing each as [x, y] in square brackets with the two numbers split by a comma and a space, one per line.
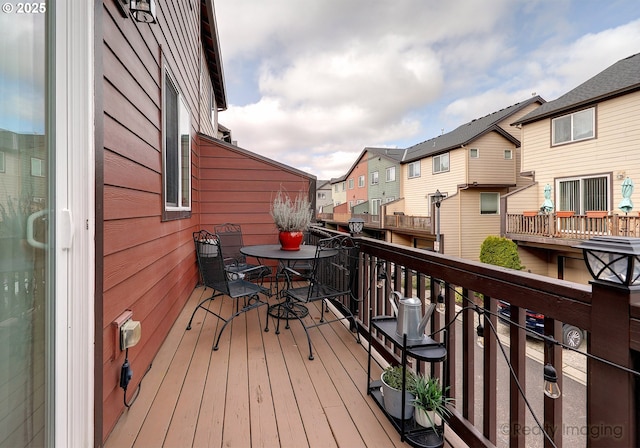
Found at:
[258, 390]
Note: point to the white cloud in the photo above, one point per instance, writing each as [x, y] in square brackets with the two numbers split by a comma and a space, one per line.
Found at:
[335, 76]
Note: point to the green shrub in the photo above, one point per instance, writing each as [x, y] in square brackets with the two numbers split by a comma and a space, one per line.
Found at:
[500, 251]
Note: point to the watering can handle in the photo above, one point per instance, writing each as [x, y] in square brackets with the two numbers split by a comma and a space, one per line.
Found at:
[394, 301]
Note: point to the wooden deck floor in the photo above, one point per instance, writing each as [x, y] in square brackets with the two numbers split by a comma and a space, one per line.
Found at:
[258, 390]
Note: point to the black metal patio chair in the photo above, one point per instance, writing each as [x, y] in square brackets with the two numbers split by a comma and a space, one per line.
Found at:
[230, 236]
[213, 271]
[331, 280]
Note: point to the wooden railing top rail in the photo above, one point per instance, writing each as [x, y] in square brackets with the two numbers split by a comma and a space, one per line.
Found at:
[555, 298]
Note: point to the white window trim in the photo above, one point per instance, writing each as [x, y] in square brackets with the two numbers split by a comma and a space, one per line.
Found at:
[3, 162]
[351, 184]
[413, 164]
[375, 178]
[438, 157]
[472, 151]
[181, 104]
[361, 181]
[510, 152]
[389, 170]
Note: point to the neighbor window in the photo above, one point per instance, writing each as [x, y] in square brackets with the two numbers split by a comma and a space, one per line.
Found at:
[322, 196]
[374, 178]
[360, 181]
[474, 153]
[441, 163]
[573, 127]
[413, 170]
[177, 151]
[335, 188]
[2, 166]
[350, 184]
[37, 167]
[391, 174]
[489, 203]
[344, 185]
[508, 154]
[583, 193]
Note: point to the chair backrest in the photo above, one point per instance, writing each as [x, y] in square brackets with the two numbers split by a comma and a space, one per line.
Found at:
[340, 270]
[230, 236]
[211, 261]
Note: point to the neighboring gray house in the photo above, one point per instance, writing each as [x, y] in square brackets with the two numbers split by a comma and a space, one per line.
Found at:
[383, 166]
[324, 196]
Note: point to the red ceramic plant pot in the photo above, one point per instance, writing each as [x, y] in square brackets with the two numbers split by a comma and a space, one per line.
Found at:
[291, 240]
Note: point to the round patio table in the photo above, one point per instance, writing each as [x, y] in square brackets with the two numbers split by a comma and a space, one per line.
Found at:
[285, 258]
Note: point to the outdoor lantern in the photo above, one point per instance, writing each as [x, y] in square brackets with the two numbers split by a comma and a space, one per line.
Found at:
[356, 225]
[480, 335]
[143, 10]
[551, 388]
[613, 259]
[440, 306]
[437, 198]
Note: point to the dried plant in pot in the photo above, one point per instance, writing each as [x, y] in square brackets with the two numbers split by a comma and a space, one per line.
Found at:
[292, 217]
[392, 391]
[430, 402]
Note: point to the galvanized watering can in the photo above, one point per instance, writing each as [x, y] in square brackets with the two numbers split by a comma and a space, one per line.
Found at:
[410, 319]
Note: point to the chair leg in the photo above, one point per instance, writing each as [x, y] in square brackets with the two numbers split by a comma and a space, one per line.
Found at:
[200, 306]
[244, 309]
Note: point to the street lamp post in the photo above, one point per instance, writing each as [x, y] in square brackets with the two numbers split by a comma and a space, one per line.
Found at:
[437, 200]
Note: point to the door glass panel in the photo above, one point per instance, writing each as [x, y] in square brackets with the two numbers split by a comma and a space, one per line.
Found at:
[24, 200]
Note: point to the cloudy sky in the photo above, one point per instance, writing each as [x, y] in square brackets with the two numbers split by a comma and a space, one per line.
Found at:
[310, 83]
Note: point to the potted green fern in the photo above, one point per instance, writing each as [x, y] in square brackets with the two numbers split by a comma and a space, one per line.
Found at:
[392, 391]
[430, 402]
[292, 217]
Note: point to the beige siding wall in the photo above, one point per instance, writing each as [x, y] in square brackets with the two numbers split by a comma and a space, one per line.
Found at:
[450, 225]
[614, 151]
[513, 130]
[525, 199]
[491, 167]
[474, 226]
[413, 188]
[537, 261]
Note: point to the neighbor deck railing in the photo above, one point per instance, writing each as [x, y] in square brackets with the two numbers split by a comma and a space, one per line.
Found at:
[610, 405]
[572, 227]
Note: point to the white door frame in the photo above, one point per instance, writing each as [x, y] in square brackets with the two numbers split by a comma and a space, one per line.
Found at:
[74, 199]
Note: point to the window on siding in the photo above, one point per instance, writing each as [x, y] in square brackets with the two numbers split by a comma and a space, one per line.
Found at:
[583, 193]
[37, 167]
[344, 186]
[574, 127]
[374, 178]
[375, 206]
[441, 163]
[489, 203]
[391, 174]
[474, 153]
[413, 170]
[335, 188]
[177, 152]
[350, 184]
[2, 163]
[508, 154]
[360, 181]
[322, 195]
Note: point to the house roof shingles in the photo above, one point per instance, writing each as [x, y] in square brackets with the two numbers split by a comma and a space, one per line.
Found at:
[467, 132]
[621, 78]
